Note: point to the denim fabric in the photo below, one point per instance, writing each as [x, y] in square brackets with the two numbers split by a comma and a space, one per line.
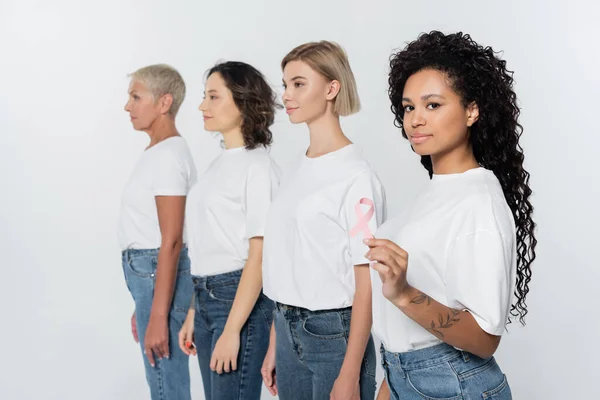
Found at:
[170, 378]
[442, 372]
[310, 350]
[214, 298]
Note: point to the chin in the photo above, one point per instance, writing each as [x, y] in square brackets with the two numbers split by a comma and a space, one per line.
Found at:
[422, 150]
[295, 120]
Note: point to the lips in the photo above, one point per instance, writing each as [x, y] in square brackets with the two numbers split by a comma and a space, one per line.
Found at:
[420, 138]
[290, 110]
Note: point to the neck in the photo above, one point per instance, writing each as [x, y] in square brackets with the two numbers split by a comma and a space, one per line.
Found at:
[325, 135]
[163, 128]
[455, 161]
[233, 138]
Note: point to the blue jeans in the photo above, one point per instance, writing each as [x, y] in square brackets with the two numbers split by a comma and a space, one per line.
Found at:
[442, 372]
[170, 378]
[214, 298]
[311, 346]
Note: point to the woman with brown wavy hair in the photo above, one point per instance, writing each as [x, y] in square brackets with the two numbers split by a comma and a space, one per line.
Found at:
[228, 322]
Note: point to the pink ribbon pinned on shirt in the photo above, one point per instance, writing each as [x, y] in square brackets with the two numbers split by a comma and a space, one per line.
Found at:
[363, 219]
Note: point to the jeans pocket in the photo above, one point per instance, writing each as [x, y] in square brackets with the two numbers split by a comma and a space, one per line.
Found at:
[142, 266]
[225, 293]
[502, 392]
[182, 295]
[327, 326]
[438, 382]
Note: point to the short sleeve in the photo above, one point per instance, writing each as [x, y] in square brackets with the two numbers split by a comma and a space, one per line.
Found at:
[261, 183]
[478, 278]
[171, 176]
[365, 210]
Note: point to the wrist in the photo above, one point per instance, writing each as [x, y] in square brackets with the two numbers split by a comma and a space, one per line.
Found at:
[404, 298]
[350, 371]
[231, 330]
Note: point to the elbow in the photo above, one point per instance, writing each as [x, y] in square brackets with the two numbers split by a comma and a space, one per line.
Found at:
[172, 244]
[489, 346]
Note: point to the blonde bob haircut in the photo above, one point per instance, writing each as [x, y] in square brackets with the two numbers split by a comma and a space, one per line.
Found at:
[162, 79]
[330, 60]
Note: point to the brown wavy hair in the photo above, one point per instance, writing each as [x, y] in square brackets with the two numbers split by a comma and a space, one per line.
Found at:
[255, 99]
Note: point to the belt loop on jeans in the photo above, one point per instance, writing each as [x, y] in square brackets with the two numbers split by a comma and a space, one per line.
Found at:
[465, 356]
[399, 361]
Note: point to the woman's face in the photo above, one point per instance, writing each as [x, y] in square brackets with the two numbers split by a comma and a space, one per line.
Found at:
[218, 107]
[435, 120]
[142, 108]
[307, 93]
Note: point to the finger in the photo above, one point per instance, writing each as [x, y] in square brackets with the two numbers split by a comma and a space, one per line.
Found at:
[213, 363]
[226, 366]
[183, 343]
[220, 367]
[150, 356]
[387, 244]
[134, 329]
[386, 257]
[190, 339]
[395, 261]
[165, 348]
[385, 272]
[234, 364]
[266, 376]
[156, 349]
[274, 386]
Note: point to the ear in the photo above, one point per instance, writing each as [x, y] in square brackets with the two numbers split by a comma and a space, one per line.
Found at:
[333, 90]
[164, 104]
[472, 114]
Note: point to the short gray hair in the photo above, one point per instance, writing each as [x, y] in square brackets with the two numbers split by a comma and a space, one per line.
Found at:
[162, 79]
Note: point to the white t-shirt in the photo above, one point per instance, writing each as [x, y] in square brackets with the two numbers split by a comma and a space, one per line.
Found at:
[316, 226]
[165, 169]
[227, 207]
[460, 238]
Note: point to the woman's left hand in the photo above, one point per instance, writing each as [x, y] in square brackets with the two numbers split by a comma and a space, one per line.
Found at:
[391, 264]
[225, 354]
[345, 388]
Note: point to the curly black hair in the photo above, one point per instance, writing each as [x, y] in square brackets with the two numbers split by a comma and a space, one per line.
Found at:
[255, 99]
[478, 75]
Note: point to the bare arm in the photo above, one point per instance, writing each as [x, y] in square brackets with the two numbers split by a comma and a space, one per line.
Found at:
[455, 327]
[248, 289]
[360, 329]
[384, 391]
[225, 354]
[170, 218]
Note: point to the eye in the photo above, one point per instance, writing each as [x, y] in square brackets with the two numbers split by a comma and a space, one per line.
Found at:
[136, 97]
[298, 84]
[284, 86]
[212, 97]
[408, 108]
[433, 106]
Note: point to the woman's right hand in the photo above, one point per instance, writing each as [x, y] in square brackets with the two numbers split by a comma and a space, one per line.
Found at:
[268, 367]
[186, 334]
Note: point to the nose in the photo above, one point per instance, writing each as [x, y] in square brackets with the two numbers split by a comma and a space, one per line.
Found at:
[417, 118]
[126, 108]
[285, 97]
[202, 106]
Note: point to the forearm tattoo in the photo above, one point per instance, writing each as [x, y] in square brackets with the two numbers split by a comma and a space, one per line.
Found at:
[443, 322]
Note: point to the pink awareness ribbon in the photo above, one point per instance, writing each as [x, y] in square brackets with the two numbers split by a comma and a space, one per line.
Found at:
[362, 225]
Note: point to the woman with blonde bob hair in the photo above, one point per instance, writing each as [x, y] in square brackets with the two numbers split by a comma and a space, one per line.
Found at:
[313, 261]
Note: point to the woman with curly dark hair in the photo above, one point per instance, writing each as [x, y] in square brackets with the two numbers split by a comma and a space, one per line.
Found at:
[228, 323]
[445, 270]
